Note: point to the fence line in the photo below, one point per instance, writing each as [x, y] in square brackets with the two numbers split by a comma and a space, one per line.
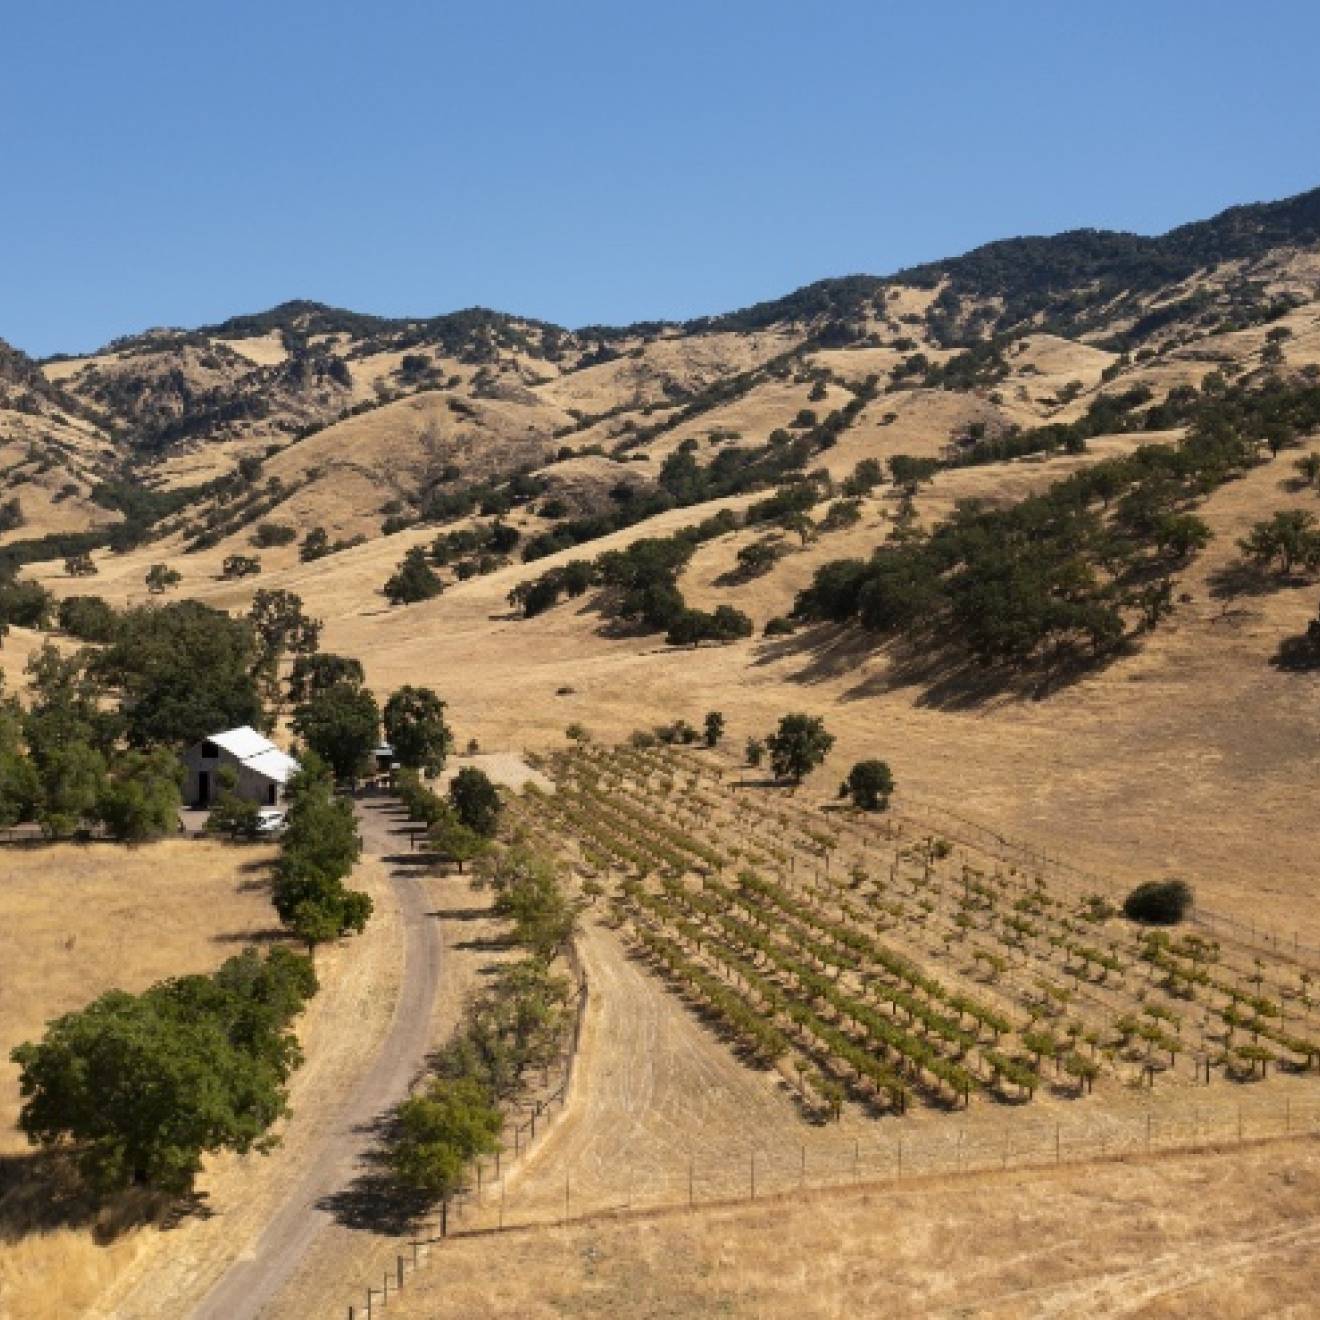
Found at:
[752, 1172]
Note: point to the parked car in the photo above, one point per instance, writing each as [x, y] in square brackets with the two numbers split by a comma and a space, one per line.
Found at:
[271, 820]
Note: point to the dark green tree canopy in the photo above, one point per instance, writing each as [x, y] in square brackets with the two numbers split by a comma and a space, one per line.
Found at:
[870, 784]
[341, 724]
[476, 801]
[798, 746]
[415, 727]
[182, 671]
[142, 1086]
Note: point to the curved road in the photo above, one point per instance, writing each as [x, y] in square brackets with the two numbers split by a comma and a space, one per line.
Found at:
[254, 1280]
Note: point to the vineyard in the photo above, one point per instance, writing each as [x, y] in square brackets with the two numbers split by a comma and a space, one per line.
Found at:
[874, 963]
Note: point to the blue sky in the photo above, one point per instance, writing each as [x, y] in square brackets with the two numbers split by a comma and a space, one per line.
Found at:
[582, 161]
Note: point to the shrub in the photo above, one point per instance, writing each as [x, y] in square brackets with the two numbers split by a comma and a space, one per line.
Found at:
[1159, 902]
[414, 580]
[869, 785]
[271, 533]
[240, 566]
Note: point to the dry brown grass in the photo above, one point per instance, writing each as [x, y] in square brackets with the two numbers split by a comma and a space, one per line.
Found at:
[1229, 1234]
[75, 921]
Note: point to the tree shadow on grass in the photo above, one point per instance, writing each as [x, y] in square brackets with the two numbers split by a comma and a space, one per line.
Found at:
[1240, 577]
[949, 679]
[256, 938]
[41, 1192]
[460, 914]
[1300, 654]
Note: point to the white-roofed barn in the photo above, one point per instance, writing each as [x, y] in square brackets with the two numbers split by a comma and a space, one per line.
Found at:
[262, 770]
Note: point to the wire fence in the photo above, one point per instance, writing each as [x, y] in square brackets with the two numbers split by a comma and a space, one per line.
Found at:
[752, 1171]
[527, 1122]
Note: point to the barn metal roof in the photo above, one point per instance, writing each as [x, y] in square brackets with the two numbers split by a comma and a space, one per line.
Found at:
[243, 742]
[257, 752]
[274, 764]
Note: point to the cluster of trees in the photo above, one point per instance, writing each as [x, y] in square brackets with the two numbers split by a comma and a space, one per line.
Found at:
[1290, 538]
[516, 1024]
[734, 470]
[63, 763]
[639, 586]
[513, 1026]
[460, 825]
[98, 740]
[317, 545]
[140, 1087]
[1069, 567]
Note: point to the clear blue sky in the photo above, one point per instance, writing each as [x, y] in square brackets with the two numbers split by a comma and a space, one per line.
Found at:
[175, 163]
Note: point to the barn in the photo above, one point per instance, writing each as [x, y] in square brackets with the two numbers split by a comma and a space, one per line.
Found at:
[262, 769]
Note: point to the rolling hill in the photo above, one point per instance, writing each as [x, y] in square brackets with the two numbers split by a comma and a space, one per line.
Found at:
[1003, 372]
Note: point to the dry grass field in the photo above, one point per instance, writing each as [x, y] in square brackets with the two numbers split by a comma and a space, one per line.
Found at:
[1230, 1234]
[1192, 753]
[75, 921]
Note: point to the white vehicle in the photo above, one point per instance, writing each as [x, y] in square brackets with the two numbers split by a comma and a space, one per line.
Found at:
[271, 820]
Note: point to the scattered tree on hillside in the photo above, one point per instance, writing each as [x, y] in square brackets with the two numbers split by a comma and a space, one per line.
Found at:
[413, 580]
[798, 746]
[714, 728]
[1159, 902]
[80, 565]
[240, 566]
[869, 785]
[161, 577]
[281, 628]
[1290, 536]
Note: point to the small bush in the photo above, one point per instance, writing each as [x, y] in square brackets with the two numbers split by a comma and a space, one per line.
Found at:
[1159, 902]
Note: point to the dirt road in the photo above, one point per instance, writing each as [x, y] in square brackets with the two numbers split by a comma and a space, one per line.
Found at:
[267, 1263]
